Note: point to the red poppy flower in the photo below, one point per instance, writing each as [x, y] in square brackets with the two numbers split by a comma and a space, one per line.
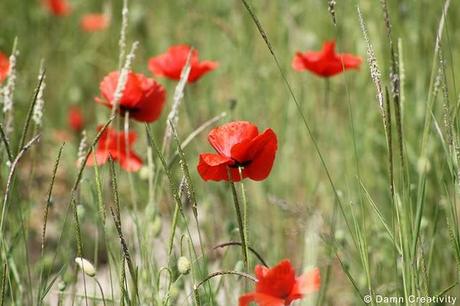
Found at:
[94, 22]
[142, 97]
[170, 64]
[325, 63]
[279, 286]
[238, 144]
[75, 119]
[57, 7]
[4, 67]
[118, 146]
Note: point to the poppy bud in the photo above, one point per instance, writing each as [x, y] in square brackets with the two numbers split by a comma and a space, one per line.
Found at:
[424, 223]
[81, 211]
[423, 165]
[174, 292]
[86, 266]
[340, 236]
[144, 173]
[239, 266]
[183, 265]
[62, 285]
[156, 226]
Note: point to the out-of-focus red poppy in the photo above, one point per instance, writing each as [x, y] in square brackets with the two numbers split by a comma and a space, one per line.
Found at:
[75, 118]
[238, 145]
[57, 7]
[118, 146]
[142, 97]
[170, 64]
[4, 67]
[94, 22]
[279, 286]
[327, 62]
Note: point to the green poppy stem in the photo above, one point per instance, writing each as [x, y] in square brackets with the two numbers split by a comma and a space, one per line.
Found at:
[239, 217]
[327, 88]
[245, 217]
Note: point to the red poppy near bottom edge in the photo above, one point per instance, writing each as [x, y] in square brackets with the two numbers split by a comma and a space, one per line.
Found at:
[116, 145]
[278, 286]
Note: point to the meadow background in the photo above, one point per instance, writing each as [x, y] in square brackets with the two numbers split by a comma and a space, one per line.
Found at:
[364, 238]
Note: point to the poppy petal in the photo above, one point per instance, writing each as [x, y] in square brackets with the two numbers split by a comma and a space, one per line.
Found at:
[57, 7]
[223, 138]
[171, 63]
[4, 67]
[298, 62]
[261, 271]
[132, 92]
[246, 299]
[116, 145]
[151, 106]
[325, 63]
[308, 282]
[213, 167]
[262, 155]
[261, 299]
[99, 158]
[94, 22]
[278, 281]
[159, 66]
[201, 69]
[328, 50]
[130, 162]
[350, 61]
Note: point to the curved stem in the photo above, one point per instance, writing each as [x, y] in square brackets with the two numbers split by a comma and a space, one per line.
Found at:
[218, 273]
[232, 243]
[102, 291]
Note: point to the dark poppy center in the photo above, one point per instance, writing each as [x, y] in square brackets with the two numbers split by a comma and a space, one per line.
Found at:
[124, 109]
[238, 164]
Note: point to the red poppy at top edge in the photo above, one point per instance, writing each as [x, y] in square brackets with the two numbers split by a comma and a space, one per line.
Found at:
[94, 22]
[118, 146]
[278, 286]
[57, 7]
[170, 64]
[239, 145]
[143, 97]
[4, 67]
[327, 62]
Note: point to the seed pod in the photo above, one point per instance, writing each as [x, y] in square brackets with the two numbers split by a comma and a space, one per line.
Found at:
[155, 227]
[183, 265]
[61, 286]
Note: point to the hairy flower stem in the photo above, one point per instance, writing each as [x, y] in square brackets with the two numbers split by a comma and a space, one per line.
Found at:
[245, 216]
[218, 273]
[102, 291]
[173, 231]
[241, 224]
[327, 88]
